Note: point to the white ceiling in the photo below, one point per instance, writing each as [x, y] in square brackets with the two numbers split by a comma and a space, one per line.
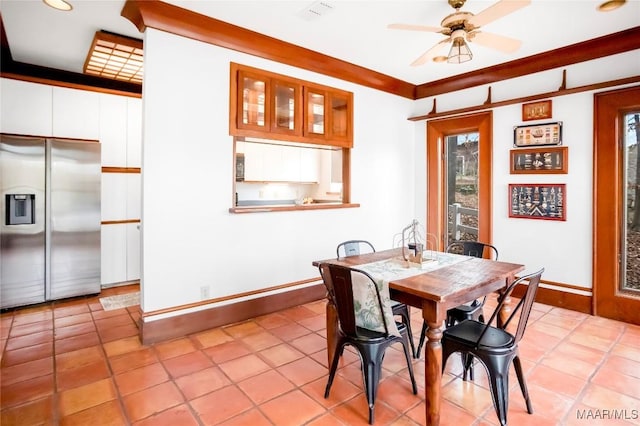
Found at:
[354, 31]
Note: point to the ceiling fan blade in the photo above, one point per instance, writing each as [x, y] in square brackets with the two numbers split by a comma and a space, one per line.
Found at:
[431, 53]
[416, 28]
[495, 41]
[496, 11]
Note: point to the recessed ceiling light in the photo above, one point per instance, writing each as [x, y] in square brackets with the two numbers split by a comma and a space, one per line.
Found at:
[440, 58]
[610, 5]
[58, 4]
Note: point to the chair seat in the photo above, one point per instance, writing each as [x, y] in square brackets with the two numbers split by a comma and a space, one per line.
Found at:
[467, 332]
[371, 335]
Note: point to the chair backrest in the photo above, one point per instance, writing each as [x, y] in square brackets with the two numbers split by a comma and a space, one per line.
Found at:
[473, 248]
[354, 248]
[523, 308]
[341, 291]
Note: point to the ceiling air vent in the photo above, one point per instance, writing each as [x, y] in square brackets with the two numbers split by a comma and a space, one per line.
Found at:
[315, 10]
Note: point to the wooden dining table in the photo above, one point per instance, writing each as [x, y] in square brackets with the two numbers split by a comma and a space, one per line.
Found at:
[434, 292]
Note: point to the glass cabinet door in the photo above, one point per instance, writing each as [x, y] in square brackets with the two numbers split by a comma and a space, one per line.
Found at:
[285, 107]
[340, 114]
[315, 114]
[254, 91]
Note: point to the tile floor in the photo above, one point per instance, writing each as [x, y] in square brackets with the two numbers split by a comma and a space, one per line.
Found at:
[72, 363]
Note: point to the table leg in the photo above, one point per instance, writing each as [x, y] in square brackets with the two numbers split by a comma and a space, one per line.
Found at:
[433, 372]
[332, 332]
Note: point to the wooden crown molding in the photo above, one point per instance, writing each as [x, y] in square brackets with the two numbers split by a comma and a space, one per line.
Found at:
[176, 20]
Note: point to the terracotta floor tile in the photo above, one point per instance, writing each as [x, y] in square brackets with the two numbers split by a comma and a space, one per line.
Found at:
[187, 364]
[82, 375]
[152, 400]
[583, 415]
[118, 332]
[29, 353]
[569, 365]
[265, 386]
[26, 371]
[114, 321]
[544, 401]
[600, 397]
[25, 317]
[26, 390]
[611, 379]
[132, 360]
[180, 415]
[38, 412]
[274, 320]
[87, 396]
[474, 399]
[303, 371]
[291, 409]
[309, 343]
[243, 329]
[31, 328]
[106, 414]
[622, 365]
[627, 351]
[226, 351]
[202, 382]
[211, 412]
[211, 338]
[122, 346]
[74, 330]
[341, 391]
[174, 348]
[78, 358]
[316, 323]
[356, 412]
[72, 320]
[298, 313]
[101, 314]
[240, 368]
[29, 340]
[261, 340]
[329, 419]
[252, 417]
[556, 381]
[398, 393]
[290, 331]
[141, 378]
[281, 354]
[68, 308]
[76, 342]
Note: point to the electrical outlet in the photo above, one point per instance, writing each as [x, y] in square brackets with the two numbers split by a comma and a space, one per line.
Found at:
[204, 292]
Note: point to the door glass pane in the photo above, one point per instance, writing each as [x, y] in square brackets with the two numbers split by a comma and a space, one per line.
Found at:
[339, 116]
[253, 97]
[284, 106]
[315, 113]
[630, 263]
[462, 153]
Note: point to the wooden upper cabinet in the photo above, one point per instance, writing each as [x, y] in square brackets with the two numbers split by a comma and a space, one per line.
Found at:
[272, 106]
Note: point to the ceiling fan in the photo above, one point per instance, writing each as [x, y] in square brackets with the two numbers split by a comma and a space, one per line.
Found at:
[461, 26]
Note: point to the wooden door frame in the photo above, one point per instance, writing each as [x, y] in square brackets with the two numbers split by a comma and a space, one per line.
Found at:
[437, 130]
[608, 301]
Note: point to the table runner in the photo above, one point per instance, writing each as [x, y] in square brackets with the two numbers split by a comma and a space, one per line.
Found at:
[368, 313]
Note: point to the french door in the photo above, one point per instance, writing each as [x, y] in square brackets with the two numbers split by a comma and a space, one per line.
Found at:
[459, 178]
[616, 193]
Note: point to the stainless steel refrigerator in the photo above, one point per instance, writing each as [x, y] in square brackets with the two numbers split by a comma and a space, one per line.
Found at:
[50, 233]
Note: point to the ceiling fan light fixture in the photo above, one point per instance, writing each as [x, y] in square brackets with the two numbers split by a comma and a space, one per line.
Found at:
[59, 4]
[459, 52]
[610, 5]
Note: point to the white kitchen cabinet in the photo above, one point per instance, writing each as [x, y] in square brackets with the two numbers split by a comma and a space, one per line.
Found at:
[134, 132]
[114, 254]
[133, 251]
[25, 108]
[134, 197]
[113, 130]
[114, 203]
[309, 165]
[76, 113]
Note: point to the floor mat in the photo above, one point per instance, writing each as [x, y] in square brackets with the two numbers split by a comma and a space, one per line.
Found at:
[120, 301]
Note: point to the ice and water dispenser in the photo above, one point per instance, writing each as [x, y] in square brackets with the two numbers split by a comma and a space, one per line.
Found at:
[20, 209]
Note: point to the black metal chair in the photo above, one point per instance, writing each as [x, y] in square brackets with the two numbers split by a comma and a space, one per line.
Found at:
[472, 310]
[356, 247]
[495, 347]
[371, 345]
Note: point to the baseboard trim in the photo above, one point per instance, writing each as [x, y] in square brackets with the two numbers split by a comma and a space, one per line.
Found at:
[559, 298]
[193, 322]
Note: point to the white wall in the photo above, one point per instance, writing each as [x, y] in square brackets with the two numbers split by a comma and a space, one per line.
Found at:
[190, 240]
[563, 248]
